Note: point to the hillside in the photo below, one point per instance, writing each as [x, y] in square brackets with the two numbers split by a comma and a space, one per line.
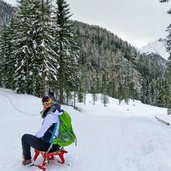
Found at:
[106, 64]
[117, 137]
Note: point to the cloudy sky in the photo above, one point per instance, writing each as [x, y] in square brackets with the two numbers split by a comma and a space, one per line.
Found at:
[137, 21]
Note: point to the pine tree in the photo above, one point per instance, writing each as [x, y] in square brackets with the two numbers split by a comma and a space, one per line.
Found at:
[33, 40]
[7, 64]
[104, 99]
[66, 50]
[22, 47]
[169, 62]
[44, 57]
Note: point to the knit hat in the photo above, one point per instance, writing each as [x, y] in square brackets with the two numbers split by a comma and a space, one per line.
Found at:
[46, 100]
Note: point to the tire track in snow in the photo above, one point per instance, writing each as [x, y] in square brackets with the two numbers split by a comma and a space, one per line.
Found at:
[128, 159]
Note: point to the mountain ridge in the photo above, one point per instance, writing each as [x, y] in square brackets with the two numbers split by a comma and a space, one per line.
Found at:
[157, 47]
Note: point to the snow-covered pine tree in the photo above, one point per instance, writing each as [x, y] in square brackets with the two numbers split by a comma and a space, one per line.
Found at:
[153, 81]
[33, 40]
[130, 73]
[94, 95]
[120, 76]
[7, 64]
[145, 79]
[67, 51]
[87, 72]
[44, 56]
[168, 47]
[21, 47]
[104, 97]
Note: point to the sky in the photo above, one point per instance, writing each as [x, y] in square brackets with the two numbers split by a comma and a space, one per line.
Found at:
[137, 21]
[119, 137]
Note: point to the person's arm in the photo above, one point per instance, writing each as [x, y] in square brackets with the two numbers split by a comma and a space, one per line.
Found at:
[48, 121]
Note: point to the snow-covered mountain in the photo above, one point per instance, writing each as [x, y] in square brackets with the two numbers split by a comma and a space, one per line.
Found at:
[158, 47]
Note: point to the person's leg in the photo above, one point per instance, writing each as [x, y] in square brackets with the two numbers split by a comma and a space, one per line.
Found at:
[29, 141]
[26, 146]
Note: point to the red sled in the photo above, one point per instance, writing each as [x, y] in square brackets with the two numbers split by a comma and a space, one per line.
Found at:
[49, 156]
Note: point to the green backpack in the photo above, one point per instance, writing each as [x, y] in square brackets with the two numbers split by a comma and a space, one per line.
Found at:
[66, 134]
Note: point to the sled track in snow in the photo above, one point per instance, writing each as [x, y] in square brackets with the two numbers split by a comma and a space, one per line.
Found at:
[13, 106]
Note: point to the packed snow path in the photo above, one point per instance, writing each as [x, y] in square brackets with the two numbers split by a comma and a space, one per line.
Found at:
[108, 140]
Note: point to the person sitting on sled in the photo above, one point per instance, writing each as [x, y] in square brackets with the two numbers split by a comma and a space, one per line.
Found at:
[42, 140]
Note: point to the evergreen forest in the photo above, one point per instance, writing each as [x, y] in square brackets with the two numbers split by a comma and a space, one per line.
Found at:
[43, 50]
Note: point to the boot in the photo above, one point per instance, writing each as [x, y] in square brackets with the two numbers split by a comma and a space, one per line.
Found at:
[26, 162]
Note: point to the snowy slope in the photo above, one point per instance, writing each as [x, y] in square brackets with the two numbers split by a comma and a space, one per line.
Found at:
[157, 47]
[113, 138]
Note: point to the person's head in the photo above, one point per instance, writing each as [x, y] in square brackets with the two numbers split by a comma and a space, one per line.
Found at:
[46, 102]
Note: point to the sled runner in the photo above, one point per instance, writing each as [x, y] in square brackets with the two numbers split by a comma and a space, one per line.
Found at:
[47, 156]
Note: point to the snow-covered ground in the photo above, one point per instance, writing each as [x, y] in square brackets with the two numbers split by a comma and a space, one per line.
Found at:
[113, 138]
